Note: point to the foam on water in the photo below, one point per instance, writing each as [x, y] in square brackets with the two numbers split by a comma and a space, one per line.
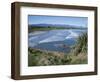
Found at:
[51, 36]
[72, 35]
[57, 36]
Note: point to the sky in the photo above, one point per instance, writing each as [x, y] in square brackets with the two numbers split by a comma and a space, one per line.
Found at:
[66, 20]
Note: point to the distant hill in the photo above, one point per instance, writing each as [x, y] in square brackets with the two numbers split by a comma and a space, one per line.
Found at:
[55, 25]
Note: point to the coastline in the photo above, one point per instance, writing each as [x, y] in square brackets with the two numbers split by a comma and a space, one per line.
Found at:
[36, 32]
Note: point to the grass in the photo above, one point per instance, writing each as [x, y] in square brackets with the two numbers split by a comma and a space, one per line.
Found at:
[81, 44]
[77, 55]
[42, 58]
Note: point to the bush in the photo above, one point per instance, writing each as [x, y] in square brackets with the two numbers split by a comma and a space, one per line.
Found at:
[81, 44]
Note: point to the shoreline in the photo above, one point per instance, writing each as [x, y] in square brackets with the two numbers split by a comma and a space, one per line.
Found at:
[36, 32]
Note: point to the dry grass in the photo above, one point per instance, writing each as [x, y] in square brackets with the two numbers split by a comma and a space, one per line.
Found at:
[81, 58]
[39, 57]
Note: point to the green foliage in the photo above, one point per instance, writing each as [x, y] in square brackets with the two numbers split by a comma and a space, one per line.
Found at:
[41, 28]
[81, 44]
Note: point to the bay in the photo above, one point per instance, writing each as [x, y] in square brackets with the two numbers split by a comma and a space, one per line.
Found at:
[54, 40]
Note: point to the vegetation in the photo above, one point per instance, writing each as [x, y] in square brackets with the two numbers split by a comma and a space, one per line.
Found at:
[77, 55]
[80, 50]
[42, 58]
[40, 28]
[81, 44]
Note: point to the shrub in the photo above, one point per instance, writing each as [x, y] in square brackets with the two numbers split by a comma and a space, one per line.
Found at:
[81, 44]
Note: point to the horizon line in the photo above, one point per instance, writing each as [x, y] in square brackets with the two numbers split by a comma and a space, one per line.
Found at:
[58, 24]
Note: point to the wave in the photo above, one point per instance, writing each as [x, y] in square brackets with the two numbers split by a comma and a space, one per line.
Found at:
[57, 36]
[51, 39]
[72, 35]
[51, 36]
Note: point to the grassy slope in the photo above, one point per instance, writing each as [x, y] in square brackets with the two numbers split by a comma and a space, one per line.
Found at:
[39, 58]
[78, 55]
